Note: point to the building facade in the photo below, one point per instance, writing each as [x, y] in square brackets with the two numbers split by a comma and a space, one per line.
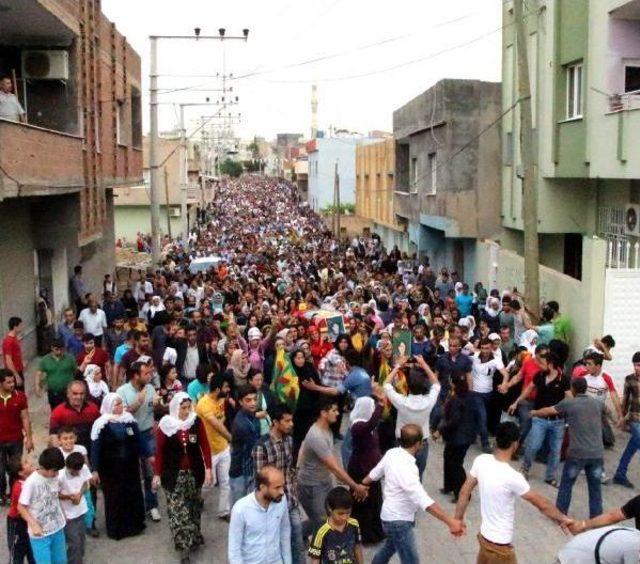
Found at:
[375, 186]
[584, 60]
[79, 82]
[324, 155]
[584, 63]
[132, 204]
[447, 171]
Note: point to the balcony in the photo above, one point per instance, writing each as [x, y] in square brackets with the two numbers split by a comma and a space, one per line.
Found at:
[406, 205]
[38, 161]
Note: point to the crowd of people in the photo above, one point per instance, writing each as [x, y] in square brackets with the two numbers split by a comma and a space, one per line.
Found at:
[305, 379]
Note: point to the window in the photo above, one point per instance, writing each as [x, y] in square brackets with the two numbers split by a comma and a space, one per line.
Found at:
[432, 171]
[136, 118]
[120, 137]
[632, 78]
[574, 91]
[414, 174]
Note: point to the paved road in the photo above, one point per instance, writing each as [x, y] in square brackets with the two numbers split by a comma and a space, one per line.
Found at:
[537, 539]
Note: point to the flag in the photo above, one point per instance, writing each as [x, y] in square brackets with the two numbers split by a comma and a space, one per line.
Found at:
[285, 384]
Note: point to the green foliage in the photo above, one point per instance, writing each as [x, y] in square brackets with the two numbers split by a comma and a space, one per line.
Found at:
[344, 209]
[231, 168]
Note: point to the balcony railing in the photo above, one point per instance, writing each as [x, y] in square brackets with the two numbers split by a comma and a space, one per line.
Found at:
[626, 101]
[39, 161]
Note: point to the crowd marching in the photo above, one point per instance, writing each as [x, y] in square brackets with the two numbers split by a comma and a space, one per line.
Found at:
[305, 378]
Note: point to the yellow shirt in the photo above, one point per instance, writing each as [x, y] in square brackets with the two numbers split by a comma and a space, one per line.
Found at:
[206, 408]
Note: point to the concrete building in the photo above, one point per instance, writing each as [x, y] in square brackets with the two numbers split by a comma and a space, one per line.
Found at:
[132, 205]
[324, 153]
[79, 81]
[585, 67]
[584, 60]
[447, 175]
[375, 191]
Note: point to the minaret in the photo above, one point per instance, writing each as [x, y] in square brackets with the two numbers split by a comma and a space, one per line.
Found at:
[314, 111]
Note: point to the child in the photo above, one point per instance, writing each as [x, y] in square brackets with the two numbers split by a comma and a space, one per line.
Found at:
[17, 536]
[67, 438]
[39, 506]
[338, 540]
[74, 482]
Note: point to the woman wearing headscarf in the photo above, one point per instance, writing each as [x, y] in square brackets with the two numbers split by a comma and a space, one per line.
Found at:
[96, 386]
[116, 449]
[365, 455]
[238, 368]
[183, 465]
[491, 314]
[529, 340]
[320, 346]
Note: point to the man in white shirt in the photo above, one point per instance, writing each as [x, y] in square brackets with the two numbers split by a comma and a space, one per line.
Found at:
[415, 407]
[499, 486]
[10, 108]
[403, 497]
[480, 381]
[95, 320]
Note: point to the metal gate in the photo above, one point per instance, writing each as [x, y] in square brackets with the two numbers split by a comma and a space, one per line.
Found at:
[621, 319]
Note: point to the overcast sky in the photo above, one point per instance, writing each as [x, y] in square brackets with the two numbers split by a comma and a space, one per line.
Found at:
[376, 55]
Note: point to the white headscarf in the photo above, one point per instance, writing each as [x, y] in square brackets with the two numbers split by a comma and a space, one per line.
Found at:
[96, 389]
[170, 355]
[107, 415]
[489, 310]
[362, 410]
[529, 339]
[171, 424]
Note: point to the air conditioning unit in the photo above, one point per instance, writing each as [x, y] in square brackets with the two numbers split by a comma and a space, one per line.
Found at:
[632, 220]
[45, 65]
[174, 212]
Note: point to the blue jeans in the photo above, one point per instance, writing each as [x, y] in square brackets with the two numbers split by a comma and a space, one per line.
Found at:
[400, 539]
[632, 447]
[298, 553]
[149, 442]
[240, 486]
[51, 549]
[524, 407]
[540, 430]
[480, 402]
[346, 448]
[593, 468]
[421, 458]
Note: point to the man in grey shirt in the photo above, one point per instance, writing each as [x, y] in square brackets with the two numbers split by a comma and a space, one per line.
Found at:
[10, 108]
[317, 463]
[618, 545]
[586, 450]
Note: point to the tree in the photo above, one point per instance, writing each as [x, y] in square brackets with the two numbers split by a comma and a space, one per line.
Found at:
[231, 168]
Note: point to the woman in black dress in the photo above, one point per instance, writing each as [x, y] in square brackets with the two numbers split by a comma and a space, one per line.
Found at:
[116, 449]
[365, 455]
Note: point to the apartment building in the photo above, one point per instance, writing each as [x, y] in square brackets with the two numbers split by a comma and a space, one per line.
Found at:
[79, 82]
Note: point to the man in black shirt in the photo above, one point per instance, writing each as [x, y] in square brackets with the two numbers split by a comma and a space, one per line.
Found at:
[550, 386]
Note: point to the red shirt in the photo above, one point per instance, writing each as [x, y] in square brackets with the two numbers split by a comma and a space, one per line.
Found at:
[11, 348]
[64, 415]
[10, 420]
[100, 358]
[16, 490]
[529, 369]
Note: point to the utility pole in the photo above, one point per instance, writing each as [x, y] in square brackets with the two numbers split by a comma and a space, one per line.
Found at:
[183, 177]
[529, 180]
[336, 193]
[154, 181]
[166, 197]
[154, 184]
